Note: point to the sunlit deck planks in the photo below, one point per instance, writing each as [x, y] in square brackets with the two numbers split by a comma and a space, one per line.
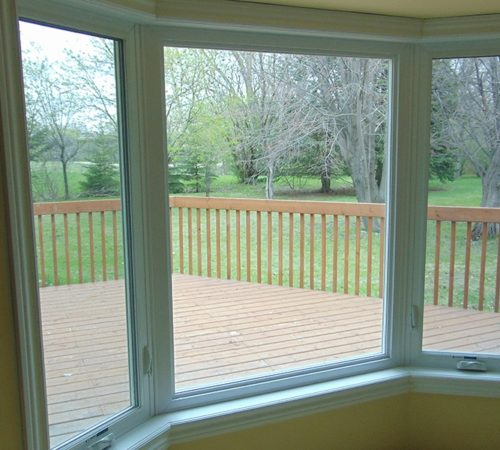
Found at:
[224, 330]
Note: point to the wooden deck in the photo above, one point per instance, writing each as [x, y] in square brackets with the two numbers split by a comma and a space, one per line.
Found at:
[225, 330]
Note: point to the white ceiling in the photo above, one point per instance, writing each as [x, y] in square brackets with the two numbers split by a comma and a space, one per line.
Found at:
[422, 9]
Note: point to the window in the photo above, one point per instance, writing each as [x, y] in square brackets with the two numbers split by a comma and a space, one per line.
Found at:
[292, 275]
[462, 269]
[74, 127]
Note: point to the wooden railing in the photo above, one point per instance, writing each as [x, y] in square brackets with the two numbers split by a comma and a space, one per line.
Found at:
[68, 228]
[294, 243]
[330, 246]
[471, 269]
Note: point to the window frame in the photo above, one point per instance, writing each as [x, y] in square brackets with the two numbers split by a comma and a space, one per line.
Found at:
[143, 41]
[140, 263]
[443, 49]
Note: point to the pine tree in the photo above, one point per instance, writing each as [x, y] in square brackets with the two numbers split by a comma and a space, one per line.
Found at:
[101, 177]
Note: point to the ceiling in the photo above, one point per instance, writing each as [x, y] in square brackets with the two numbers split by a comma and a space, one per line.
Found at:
[422, 9]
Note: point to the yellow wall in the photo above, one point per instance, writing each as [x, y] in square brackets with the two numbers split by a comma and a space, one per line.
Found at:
[405, 422]
[375, 425]
[10, 402]
[453, 423]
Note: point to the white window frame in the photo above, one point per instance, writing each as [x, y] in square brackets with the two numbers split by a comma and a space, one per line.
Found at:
[428, 52]
[162, 417]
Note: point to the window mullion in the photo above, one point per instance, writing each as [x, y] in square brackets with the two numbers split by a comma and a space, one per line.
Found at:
[145, 88]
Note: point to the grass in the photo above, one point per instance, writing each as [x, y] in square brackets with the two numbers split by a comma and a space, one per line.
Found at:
[466, 191]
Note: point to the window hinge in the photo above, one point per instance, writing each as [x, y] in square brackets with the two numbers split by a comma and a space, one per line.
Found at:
[414, 316]
[101, 441]
[147, 361]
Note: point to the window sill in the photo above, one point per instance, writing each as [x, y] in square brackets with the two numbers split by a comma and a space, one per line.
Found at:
[166, 429]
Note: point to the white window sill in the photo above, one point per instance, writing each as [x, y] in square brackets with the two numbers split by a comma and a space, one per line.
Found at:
[167, 429]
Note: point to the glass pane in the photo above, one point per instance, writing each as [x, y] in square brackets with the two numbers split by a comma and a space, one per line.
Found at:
[277, 196]
[462, 272]
[74, 149]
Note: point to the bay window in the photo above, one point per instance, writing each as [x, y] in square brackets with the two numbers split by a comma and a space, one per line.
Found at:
[186, 268]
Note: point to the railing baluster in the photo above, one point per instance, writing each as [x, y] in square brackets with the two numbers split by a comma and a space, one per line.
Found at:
[269, 248]
[181, 240]
[42, 251]
[369, 256]
[280, 248]
[249, 246]
[436, 262]
[259, 249]
[346, 254]
[357, 270]
[103, 246]
[198, 242]
[66, 249]
[311, 251]
[335, 253]
[451, 278]
[290, 249]
[54, 249]
[484, 247]
[91, 247]
[209, 241]
[190, 241]
[468, 243]
[79, 245]
[302, 256]
[217, 242]
[323, 252]
[381, 257]
[238, 245]
[115, 244]
[171, 239]
[228, 244]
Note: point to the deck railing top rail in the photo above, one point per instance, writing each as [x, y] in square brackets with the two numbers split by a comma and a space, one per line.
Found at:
[441, 213]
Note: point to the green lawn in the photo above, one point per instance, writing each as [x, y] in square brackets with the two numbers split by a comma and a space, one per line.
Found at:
[465, 191]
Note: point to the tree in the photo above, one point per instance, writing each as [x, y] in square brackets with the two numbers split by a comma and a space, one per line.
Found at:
[473, 118]
[352, 95]
[55, 128]
[101, 177]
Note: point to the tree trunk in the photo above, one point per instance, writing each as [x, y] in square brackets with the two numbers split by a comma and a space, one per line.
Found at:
[269, 183]
[325, 184]
[490, 197]
[64, 164]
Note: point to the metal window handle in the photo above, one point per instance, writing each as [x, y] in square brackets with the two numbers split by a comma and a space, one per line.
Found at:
[103, 443]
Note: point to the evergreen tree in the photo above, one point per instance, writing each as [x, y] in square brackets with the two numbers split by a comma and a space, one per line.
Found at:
[101, 177]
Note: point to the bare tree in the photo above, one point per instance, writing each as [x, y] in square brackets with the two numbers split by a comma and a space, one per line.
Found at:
[352, 95]
[471, 105]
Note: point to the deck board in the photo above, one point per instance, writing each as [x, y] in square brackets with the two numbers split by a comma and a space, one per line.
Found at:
[225, 330]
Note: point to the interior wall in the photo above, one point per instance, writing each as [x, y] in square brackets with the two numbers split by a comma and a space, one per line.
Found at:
[375, 425]
[409, 422]
[11, 430]
[453, 423]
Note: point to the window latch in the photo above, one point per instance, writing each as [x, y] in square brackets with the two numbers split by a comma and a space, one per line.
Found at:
[471, 364]
[101, 441]
[147, 361]
[414, 316]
